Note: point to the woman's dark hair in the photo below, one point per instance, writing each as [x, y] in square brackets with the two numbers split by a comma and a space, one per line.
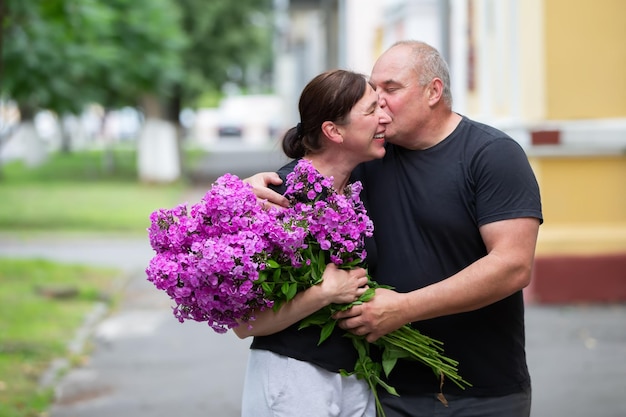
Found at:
[328, 97]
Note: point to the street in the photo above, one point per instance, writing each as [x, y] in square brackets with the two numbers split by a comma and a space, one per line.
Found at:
[144, 363]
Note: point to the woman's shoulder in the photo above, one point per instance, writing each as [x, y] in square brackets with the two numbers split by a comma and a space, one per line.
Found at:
[282, 173]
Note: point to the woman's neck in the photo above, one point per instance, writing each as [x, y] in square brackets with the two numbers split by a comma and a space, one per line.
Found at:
[330, 166]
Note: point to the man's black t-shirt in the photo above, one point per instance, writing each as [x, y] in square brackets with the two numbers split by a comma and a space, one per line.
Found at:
[427, 207]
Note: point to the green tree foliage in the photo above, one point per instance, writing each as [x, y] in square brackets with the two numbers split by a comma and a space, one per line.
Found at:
[230, 42]
[62, 54]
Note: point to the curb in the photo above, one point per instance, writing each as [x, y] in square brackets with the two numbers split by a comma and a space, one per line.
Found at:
[77, 346]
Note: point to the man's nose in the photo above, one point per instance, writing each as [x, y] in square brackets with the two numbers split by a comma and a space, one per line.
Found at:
[384, 117]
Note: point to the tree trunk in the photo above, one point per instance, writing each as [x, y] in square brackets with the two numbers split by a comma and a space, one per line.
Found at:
[158, 150]
[66, 138]
[25, 143]
[108, 159]
[173, 108]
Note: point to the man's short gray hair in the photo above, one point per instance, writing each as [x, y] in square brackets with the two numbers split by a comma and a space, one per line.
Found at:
[429, 64]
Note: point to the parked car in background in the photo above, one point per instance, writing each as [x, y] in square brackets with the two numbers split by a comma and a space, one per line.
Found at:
[246, 120]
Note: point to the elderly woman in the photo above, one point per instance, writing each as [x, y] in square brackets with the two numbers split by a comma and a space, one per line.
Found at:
[341, 125]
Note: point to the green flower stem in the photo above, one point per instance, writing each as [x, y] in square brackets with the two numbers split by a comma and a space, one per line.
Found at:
[405, 342]
[368, 370]
[424, 349]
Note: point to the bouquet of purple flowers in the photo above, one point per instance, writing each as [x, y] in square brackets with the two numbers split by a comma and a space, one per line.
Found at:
[227, 257]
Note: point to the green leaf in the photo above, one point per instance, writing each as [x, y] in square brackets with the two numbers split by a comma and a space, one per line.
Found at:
[317, 278]
[327, 329]
[319, 318]
[292, 290]
[367, 295]
[389, 361]
[391, 390]
[305, 277]
[321, 260]
[277, 305]
[268, 288]
[272, 264]
[262, 277]
[359, 344]
[276, 275]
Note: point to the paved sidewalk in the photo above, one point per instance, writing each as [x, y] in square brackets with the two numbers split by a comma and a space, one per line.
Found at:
[146, 364]
[577, 360]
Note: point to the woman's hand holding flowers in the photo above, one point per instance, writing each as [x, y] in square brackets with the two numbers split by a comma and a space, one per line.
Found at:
[340, 286]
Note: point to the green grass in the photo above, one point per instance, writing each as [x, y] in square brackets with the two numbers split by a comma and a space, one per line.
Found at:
[115, 165]
[102, 207]
[37, 327]
[72, 192]
[92, 192]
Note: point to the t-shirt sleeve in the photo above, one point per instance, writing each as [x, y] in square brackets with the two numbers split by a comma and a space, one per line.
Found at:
[282, 173]
[505, 184]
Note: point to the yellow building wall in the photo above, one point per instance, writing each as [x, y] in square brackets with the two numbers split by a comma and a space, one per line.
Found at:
[532, 60]
[584, 204]
[585, 57]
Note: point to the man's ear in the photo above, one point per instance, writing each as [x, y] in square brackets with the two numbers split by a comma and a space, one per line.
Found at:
[331, 131]
[435, 92]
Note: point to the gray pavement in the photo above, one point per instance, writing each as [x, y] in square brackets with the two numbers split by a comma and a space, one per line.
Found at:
[144, 363]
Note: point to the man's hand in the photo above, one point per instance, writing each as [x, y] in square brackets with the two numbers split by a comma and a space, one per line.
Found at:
[260, 182]
[381, 315]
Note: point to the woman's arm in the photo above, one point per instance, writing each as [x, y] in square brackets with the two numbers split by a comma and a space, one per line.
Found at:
[338, 286]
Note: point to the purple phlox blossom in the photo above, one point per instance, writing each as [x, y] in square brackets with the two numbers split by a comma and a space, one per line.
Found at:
[306, 184]
[209, 257]
[222, 281]
[229, 206]
[287, 239]
[338, 228]
[164, 229]
[338, 223]
[163, 270]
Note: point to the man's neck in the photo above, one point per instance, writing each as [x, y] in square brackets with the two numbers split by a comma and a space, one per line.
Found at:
[436, 131]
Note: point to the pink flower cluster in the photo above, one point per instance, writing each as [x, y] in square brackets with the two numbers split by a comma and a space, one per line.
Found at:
[227, 257]
[338, 223]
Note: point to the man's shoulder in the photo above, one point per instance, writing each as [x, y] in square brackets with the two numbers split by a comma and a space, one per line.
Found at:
[482, 137]
[482, 129]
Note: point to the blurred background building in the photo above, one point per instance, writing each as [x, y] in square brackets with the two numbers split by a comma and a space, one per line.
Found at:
[551, 73]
